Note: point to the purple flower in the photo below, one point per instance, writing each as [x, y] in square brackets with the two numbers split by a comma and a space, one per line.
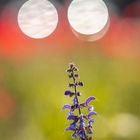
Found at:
[90, 122]
[70, 113]
[85, 104]
[73, 135]
[82, 123]
[72, 117]
[89, 131]
[89, 99]
[75, 106]
[90, 108]
[91, 113]
[70, 128]
[66, 106]
[73, 125]
[81, 134]
[75, 102]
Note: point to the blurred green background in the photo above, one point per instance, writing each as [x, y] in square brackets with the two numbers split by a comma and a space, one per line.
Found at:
[33, 77]
[34, 95]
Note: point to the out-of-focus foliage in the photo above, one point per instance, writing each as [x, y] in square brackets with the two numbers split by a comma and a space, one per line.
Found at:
[36, 87]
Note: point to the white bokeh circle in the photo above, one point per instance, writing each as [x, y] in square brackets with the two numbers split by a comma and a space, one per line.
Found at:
[37, 18]
[88, 17]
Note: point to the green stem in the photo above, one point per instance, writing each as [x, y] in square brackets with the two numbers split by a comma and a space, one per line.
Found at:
[75, 91]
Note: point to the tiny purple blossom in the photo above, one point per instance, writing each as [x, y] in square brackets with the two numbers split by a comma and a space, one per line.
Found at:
[66, 106]
[90, 108]
[90, 122]
[73, 125]
[83, 124]
[91, 113]
[69, 128]
[89, 99]
[75, 101]
[69, 93]
[81, 134]
[72, 117]
[89, 131]
[70, 113]
[73, 135]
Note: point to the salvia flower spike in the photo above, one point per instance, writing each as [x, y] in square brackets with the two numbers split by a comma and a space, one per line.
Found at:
[81, 124]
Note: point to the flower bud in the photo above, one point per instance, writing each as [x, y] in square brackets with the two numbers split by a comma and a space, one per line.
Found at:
[78, 93]
[68, 70]
[76, 76]
[90, 108]
[80, 84]
[71, 65]
[71, 85]
[75, 69]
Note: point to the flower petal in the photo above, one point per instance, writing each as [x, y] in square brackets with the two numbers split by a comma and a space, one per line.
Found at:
[89, 132]
[72, 117]
[73, 125]
[69, 128]
[73, 135]
[75, 102]
[69, 93]
[90, 122]
[90, 108]
[70, 113]
[81, 134]
[83, 124]
[89, 99]
[91, 113]
[66, 106]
